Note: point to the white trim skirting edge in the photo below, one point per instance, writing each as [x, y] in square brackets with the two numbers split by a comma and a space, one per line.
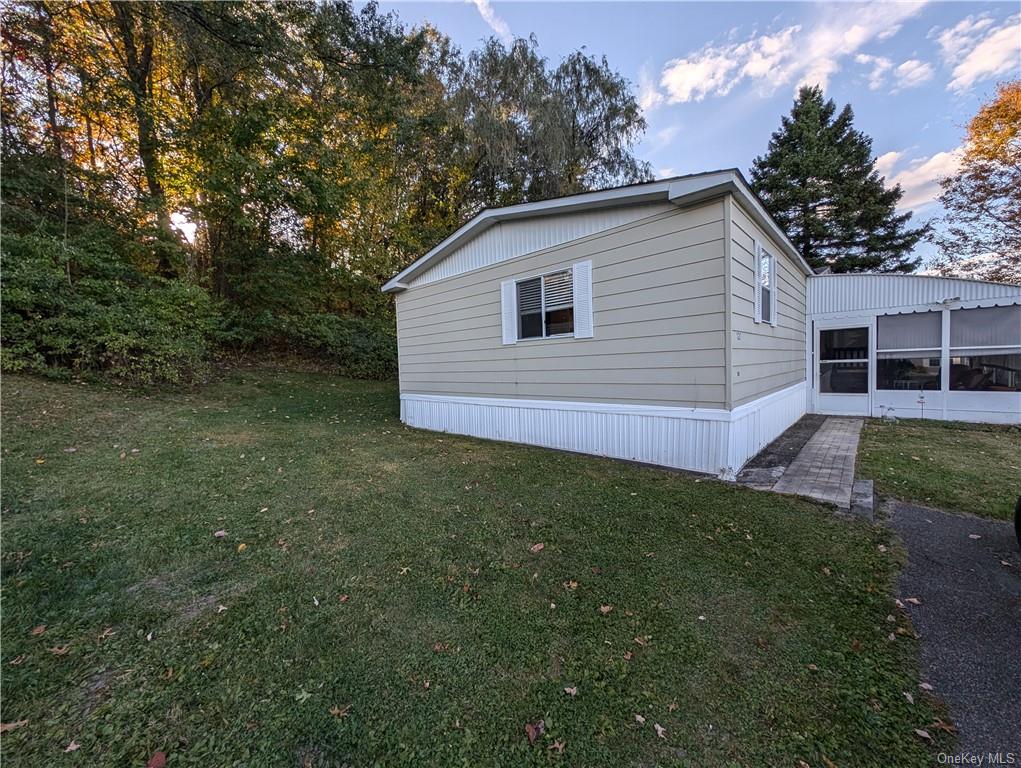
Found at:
[711, 440]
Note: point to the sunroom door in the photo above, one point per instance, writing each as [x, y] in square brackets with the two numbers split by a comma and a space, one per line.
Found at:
[842, 366]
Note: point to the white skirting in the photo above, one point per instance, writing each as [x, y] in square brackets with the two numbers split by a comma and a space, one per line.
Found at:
[709, 440]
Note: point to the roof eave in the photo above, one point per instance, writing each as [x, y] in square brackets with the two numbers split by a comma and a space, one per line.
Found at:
[681, 191]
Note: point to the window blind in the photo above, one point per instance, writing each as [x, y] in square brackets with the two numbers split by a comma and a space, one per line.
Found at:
[559, 290]
[919, 330]
[986, 327]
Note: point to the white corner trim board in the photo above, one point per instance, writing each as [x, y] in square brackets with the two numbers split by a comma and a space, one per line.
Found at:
[711, 440]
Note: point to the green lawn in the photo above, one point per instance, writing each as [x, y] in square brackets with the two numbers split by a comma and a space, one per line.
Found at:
[954, 466]
[376, 598]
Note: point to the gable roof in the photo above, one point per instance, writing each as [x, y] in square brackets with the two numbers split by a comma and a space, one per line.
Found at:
[680, 190]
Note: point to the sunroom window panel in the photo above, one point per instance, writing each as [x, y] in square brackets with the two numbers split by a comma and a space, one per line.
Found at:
[908, 370]
[986, 327]
[985, 371]
[921, 330]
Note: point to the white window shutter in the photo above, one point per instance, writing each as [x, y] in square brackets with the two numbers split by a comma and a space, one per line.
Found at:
[509, 311]
[774, 291]
[583, 328]
[758, 282]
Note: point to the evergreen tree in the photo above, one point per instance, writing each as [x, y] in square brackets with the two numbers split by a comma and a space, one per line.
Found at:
[818, 180]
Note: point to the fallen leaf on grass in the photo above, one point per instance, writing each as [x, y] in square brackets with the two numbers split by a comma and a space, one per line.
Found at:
[923, 734]
[571, 691]
[537, 548]
[913, 600]
[59, 650]
[639, 719]
[534, 730]
[17, 660]
[828, 763]
[925, 686]
[74, 746]
[572, 584]
[158, 760]
[942, 726]
[671, 706]
[242, 547]
[39, 630]
[557, 746]
[219, 534]
[909, 697]
[5, 727]
[108, 632]
[605, 609]
[641, 641]
[344, 598]
[628, 655]
[340, 711]
[221, 608]
[660, 730]
[40, 460]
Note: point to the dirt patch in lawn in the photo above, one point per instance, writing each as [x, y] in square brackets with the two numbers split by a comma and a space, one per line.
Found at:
[781, 452]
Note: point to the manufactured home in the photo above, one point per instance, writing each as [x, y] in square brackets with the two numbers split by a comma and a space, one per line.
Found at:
[674, 323]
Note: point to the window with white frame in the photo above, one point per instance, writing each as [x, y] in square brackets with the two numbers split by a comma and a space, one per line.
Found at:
[546, 305]
[985, 349]
[908, 351]
[765, 286]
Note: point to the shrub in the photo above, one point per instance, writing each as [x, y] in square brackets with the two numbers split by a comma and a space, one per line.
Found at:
[361, 348]
[76, 308]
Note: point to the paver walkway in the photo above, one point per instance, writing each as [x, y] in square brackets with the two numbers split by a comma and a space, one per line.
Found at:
[824, 470]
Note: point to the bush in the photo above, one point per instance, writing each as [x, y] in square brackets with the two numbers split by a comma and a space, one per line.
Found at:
[359, 347]
[79, 309]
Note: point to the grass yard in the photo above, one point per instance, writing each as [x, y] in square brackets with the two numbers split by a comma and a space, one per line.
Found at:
[379, 596]
[955, 466]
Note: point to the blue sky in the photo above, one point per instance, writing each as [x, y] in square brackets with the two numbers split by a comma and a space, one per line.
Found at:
[714, 78]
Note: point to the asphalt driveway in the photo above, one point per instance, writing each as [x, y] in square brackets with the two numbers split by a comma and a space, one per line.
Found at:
[965, 573]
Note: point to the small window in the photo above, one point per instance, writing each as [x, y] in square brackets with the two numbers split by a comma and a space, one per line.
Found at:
[765, 286]
[546, 306]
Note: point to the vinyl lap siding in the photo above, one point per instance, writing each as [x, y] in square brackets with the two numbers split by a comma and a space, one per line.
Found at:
[764, 359]
[509, 239]
[658, 290]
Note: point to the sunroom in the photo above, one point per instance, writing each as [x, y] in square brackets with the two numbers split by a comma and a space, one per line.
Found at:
[915, 347]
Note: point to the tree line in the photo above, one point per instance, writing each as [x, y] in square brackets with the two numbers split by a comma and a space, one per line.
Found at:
[185, 177]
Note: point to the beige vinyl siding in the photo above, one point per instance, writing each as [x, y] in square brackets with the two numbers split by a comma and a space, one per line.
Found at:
[764, 358]
[658, 312]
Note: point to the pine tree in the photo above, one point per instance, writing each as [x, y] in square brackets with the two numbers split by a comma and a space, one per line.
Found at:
[818, 180]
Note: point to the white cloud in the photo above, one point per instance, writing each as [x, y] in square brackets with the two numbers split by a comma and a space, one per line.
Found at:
[649, 97]
[796, 54]
[665, 173]
[498, 25]
[880, 66]
[912, 73]
[979, 50]
[919, 177]
[885, 163]
[664, 136]
[956, 41]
